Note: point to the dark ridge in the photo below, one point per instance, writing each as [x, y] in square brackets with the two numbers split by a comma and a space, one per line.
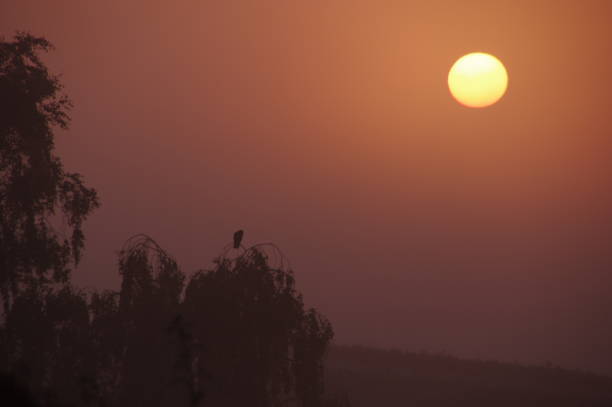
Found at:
[376, 377]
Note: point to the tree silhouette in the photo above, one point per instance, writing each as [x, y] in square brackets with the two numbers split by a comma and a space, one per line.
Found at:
[148, 302]
[107, 339]
[237, 334]
[256, 335]
[44, 340]
[33, 184]
[47, 344]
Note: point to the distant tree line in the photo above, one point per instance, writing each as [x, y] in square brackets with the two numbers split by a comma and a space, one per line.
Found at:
[237, 334]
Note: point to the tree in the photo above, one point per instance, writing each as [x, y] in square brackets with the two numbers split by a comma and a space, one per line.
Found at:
[48, 347]
[238, 334]
[259, 345]
[34, 187]
[148, 302]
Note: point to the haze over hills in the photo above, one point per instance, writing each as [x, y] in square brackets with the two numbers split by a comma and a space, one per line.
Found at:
[371, 377]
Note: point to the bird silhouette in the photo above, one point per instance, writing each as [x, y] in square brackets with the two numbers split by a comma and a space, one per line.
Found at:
[238, 238]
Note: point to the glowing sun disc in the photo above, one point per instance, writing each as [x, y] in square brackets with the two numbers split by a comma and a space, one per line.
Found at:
[477, 80]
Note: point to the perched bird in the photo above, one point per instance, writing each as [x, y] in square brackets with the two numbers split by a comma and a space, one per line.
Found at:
[238, 238]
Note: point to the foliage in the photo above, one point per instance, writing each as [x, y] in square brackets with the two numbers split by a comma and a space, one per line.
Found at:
[148, 301]
[234, 335]
[256, 334]
[46, 335]
[238, 334]
[33, 184]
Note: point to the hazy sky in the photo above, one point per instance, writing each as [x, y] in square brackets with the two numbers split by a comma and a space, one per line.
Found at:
[327, 127]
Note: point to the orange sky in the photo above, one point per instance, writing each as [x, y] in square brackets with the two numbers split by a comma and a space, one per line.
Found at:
[327, 127]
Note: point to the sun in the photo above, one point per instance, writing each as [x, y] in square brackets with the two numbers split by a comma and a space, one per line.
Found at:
[477, 80]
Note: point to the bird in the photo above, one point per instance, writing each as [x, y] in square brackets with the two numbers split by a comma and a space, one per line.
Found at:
[238, 238]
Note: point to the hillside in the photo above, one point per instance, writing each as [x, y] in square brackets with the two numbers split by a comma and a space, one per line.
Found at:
[372, 377]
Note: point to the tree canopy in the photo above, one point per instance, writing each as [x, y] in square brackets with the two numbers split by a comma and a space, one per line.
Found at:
[34, 187]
